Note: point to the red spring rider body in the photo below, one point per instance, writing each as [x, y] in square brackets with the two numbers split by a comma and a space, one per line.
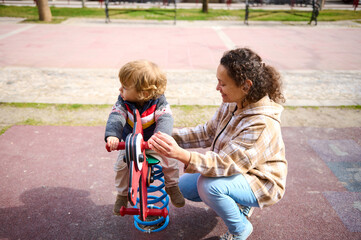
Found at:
[139, 172]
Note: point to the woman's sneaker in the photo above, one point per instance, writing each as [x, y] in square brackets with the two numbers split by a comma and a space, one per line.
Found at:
[244, 235]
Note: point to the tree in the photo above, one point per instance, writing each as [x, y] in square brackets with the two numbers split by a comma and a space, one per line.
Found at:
[44, 10]
[205, 6]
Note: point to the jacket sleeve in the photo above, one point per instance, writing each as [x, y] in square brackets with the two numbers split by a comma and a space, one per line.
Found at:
[116, 121]
[163, 117]
[239, 155]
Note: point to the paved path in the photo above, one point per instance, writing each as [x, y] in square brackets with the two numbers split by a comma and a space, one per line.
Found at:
[77, 62]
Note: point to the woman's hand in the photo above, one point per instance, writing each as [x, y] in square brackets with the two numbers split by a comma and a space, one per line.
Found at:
[113, 143]
[168, 147]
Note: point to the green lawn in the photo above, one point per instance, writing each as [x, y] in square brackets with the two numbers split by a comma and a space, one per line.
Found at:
[60, 14]
[96, 115]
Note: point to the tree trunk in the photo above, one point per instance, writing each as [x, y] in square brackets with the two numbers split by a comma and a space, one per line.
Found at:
[83, 3]
[44, 11]
[205, 6]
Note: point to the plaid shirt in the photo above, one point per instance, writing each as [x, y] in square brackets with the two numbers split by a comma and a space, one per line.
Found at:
[244, 141]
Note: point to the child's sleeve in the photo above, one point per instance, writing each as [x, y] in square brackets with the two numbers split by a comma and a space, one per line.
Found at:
[116, 121]
[163, 117]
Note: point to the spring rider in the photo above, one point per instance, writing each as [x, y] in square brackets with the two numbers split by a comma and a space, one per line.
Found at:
[144, 170]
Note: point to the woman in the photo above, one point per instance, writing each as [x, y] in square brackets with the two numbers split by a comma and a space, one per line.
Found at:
[246, 163]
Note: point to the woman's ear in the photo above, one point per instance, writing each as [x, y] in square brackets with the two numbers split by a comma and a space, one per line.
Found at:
[247, 85]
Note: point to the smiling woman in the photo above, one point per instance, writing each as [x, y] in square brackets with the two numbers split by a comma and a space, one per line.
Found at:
[246, 164]
[228, 88]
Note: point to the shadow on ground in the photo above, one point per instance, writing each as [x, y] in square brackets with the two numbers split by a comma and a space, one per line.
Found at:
[65, 213]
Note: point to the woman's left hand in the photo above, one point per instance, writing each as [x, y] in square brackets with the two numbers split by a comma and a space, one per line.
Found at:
[168, 147]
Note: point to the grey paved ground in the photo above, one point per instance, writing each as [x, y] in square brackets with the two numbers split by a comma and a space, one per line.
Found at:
[302, 88]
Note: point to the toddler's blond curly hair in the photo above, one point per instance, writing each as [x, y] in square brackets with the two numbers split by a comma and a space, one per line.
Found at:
[146, 77]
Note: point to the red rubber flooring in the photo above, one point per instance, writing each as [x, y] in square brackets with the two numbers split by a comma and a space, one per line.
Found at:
[57, 183]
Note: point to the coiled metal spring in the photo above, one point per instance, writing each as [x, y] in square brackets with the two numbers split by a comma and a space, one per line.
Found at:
[154, 223]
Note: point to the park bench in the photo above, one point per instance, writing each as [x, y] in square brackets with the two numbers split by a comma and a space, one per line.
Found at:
[315, 4]
[152, 2]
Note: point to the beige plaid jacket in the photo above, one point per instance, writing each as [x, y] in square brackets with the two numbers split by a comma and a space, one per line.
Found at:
[244, 141]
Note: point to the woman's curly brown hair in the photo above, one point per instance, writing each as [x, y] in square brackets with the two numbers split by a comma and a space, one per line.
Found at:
[243, 64]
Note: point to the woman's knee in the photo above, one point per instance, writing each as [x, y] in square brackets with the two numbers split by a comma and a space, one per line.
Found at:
[207, 188]
[188, 186]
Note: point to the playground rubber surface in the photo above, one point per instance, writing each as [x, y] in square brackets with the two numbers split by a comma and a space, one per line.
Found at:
[57, 183]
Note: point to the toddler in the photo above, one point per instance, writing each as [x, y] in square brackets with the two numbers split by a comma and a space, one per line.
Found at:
[142, 87]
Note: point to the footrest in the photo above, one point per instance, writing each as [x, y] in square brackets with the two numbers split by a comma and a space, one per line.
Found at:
[151, 160]
[149, 212]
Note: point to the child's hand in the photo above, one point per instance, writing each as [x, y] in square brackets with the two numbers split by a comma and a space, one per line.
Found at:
[113, 143]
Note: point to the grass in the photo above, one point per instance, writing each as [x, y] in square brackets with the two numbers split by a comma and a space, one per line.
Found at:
[32, 122]
[352, 107]
[37, 114]
[3, 130]
[60, 14]
[56, 106]
[54, 20]
[87, 114]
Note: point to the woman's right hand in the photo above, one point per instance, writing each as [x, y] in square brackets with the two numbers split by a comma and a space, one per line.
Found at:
[168, 147]
[113, 143]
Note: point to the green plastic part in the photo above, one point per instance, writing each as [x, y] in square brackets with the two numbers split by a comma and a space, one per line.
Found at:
[152, 161]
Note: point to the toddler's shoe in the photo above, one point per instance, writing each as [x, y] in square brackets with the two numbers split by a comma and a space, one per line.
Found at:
[176, 196]
[119, 203]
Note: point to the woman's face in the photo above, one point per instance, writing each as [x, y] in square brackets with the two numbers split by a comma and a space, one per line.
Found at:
[227, 87]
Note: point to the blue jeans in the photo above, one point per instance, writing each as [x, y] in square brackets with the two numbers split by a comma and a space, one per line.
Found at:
[222, 195]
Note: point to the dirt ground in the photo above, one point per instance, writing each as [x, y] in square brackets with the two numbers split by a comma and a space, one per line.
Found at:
[327, 117]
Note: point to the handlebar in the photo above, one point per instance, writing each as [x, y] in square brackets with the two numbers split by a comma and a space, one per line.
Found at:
[121, 146]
